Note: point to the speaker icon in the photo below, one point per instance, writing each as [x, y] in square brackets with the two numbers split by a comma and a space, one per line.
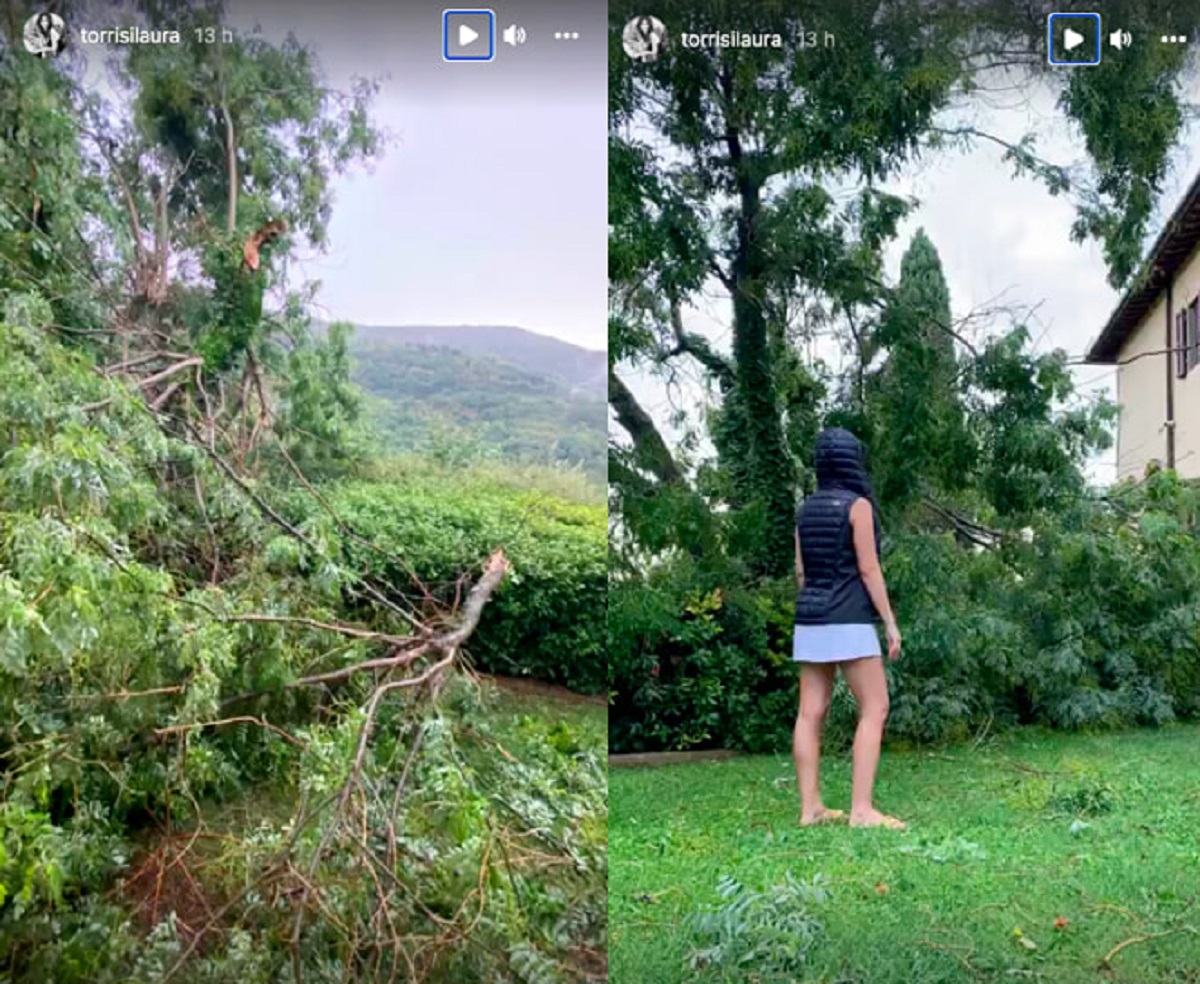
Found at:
[1120, 39]
[514, 35]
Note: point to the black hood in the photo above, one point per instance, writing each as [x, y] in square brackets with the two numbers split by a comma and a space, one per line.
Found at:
[841, 462]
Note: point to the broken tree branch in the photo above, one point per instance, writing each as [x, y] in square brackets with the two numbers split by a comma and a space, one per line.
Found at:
[966, 528]
[689, 343]
[1107, 959]
[243, 719]
[178, 367]
[267, 234]
[447, 645]
[650, 448]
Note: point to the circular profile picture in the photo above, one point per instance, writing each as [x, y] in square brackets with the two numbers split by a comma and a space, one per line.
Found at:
[644, 38]
[45, 35]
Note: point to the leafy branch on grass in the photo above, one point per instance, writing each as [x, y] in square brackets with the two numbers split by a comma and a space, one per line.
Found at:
[356, 809]
[771, 931]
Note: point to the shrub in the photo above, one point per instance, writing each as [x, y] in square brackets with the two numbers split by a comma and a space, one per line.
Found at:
[1091, 620]
[548, 619]
[691, 666]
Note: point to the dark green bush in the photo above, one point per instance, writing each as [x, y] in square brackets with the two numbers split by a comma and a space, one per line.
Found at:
[547, 620]
[1089, 619]
[692, 667]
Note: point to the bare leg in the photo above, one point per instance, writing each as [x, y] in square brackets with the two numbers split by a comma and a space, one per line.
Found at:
[869, 686]
[816, 688]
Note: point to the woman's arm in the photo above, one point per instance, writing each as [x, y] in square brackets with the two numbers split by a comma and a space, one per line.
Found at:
[799, 562]
[862, 523]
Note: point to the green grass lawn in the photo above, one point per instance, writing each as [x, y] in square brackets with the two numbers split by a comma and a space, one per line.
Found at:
[1006, 839]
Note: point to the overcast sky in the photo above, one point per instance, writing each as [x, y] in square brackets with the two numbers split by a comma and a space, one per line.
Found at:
[490, 206]
[999, 237]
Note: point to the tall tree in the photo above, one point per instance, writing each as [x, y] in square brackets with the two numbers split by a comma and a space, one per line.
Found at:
[919, 439]
[171, 196]
[757, 171]
[755, 135]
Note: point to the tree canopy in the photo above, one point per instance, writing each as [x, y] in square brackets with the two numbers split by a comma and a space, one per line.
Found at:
[762, 179]
[761, 174]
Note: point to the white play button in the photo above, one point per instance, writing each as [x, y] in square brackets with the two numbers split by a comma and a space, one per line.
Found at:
[468, 35]
[1073, 39]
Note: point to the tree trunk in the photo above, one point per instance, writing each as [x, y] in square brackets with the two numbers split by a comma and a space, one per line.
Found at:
[230, 147]
[768, 464]
[692, 526]
[230, 137]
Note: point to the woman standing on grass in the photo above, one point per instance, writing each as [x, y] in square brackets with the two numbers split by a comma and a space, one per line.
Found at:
[842, 596]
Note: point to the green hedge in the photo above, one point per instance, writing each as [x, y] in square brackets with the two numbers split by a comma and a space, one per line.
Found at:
[547, 620]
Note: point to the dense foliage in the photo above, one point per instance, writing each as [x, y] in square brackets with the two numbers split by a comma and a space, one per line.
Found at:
[759, 175]
[1025, 597]
[114, 663]
[1090, 622]
[547, 621]
[464, 407]
[233, 747]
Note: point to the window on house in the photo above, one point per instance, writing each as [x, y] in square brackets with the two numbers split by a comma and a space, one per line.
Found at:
[1181, 344]
[1193, 315]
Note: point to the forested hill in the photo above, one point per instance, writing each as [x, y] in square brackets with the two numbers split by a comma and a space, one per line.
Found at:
[540, 355]
[491, 390]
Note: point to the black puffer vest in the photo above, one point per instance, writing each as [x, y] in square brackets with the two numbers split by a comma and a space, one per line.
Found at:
[833, 591]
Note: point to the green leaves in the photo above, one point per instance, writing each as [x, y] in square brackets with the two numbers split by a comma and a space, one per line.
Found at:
[767, 934]
[548, 622]
[291, 134]
[1089, 620]
[29, 868]
[918, 439]
[1131, 114]
[1033, 437]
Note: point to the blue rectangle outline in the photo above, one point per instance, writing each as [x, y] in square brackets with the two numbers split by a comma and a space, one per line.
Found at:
[1050, 39]
[491, 55]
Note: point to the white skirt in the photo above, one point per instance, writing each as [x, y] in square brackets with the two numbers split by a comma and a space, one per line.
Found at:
[834, 643]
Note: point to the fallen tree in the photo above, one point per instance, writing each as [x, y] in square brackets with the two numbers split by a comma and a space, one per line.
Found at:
[385, 824]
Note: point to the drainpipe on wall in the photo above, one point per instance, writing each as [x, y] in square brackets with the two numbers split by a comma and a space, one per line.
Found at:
[1171, 355]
